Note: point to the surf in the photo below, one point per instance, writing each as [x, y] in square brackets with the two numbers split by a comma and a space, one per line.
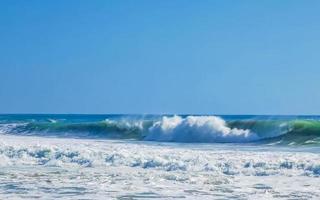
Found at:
[171, 128]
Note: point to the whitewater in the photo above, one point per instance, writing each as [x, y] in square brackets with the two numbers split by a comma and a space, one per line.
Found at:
[159, 157]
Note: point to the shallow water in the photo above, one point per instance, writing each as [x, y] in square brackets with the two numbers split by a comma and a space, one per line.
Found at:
[49, 168]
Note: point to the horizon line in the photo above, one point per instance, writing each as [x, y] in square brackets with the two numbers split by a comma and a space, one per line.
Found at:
[197, 114]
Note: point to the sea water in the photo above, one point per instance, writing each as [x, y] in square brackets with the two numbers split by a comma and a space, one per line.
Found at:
[159, 157]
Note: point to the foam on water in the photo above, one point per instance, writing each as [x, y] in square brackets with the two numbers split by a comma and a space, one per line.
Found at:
[70, 168]
[161, 158]
[71, 157]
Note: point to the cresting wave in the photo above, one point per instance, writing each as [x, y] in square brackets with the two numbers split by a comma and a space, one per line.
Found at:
[35, 164]
[197, 129]
[210, 129]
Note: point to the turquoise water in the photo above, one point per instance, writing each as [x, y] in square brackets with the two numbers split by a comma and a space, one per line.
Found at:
[285, 130]
[159, 157]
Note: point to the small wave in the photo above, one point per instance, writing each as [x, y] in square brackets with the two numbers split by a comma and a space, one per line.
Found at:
[53, 120]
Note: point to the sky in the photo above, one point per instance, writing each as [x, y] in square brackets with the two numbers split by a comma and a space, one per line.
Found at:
[156, 57]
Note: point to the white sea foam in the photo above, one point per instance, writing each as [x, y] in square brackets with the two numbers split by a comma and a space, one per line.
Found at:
[8, 127]
[98, 169]
[197, 129]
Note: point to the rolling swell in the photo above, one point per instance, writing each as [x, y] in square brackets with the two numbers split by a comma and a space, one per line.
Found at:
[195, 129]
[291, 132]
[108, 129]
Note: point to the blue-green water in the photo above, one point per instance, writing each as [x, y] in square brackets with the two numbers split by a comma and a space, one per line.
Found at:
[285, 130]
[159, 156]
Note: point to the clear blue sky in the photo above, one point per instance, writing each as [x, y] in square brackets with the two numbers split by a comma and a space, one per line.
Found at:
[170, 56]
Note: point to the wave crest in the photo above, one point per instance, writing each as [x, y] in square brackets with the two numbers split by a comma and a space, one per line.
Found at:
[197, 129]
[209, 129]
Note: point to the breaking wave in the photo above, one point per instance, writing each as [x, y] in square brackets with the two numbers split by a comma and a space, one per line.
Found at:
[194, 129]
[197, 129]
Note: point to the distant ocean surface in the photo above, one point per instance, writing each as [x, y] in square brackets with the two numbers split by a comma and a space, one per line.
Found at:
[159, 156]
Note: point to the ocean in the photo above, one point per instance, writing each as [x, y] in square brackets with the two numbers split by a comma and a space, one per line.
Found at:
[159, 157]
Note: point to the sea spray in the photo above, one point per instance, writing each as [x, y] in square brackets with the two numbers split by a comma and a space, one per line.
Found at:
[170, 128]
